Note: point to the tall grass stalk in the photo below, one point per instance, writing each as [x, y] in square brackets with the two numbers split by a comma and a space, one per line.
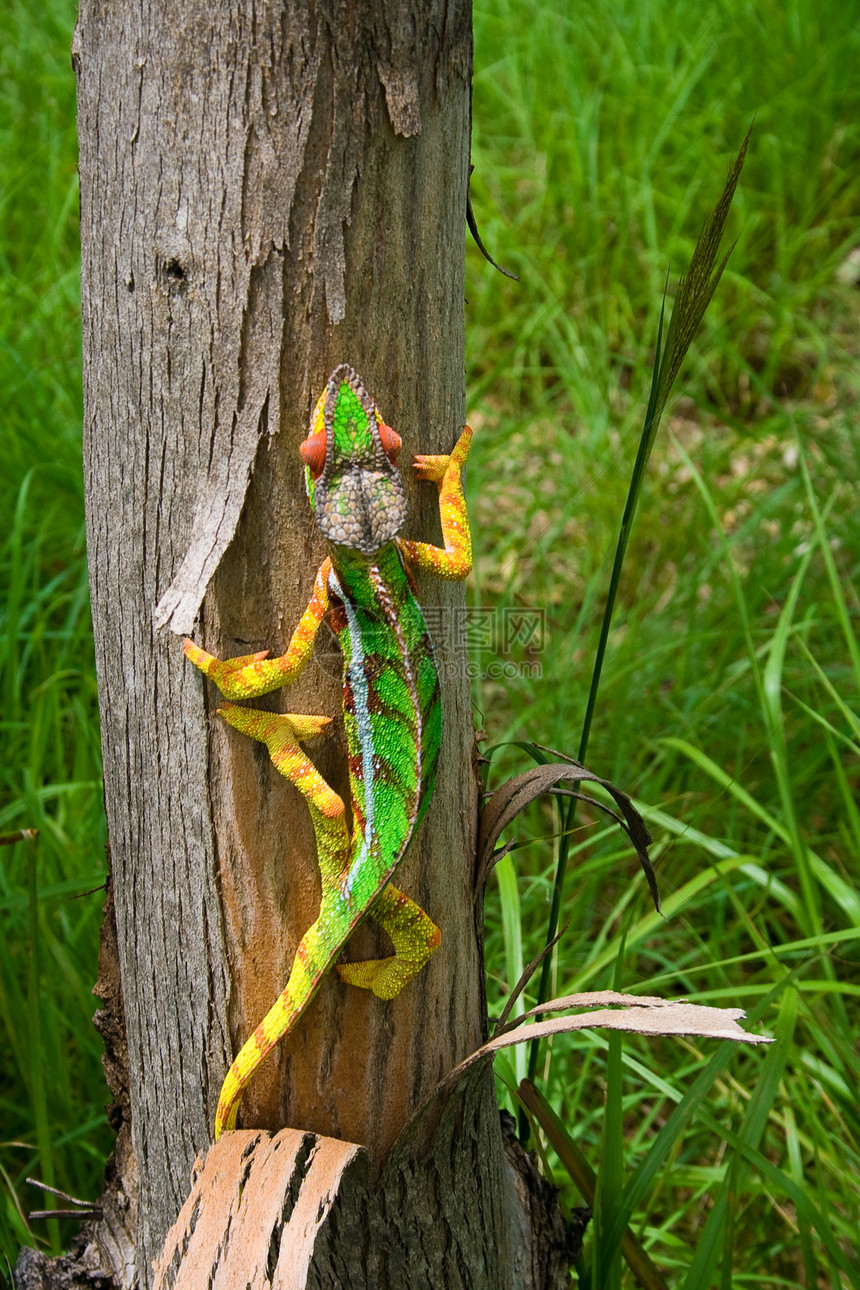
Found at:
[694, 295]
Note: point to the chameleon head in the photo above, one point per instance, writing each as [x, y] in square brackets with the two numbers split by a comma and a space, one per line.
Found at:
[350, 458]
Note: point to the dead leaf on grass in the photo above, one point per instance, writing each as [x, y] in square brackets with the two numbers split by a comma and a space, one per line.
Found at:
[507, 802]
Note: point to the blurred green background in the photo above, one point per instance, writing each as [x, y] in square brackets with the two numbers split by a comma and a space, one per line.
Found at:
[730, 704]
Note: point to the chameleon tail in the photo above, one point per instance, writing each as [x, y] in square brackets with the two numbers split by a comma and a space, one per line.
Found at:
[312, 961]
[414, 936]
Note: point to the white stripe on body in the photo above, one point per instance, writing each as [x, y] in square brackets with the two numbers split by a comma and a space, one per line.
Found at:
[361, 698]
[412, 685]
[358, 684]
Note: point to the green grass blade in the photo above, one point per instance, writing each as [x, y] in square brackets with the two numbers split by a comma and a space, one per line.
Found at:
[836, 581]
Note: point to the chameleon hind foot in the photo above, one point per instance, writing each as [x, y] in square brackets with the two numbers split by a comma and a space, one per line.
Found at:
[281, 732]
[415, 938]
[278, 731]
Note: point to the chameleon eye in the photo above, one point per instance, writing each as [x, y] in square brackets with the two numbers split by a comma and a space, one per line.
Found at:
[390, 440]
[313, 450]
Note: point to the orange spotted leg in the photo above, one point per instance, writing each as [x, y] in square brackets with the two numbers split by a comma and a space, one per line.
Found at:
[415, 938]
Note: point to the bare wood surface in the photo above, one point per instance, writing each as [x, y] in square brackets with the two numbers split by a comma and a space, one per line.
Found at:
[252, 1215]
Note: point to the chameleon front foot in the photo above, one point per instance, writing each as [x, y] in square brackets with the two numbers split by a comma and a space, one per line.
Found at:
[415, 938]
[225, 672]
[435, 468]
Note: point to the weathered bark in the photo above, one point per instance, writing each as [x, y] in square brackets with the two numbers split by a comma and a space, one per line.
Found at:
[268, 190]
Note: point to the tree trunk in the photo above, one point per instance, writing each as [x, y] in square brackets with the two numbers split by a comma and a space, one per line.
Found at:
[268, 191]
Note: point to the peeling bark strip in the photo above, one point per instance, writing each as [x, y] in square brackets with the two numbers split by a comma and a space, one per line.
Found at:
[266, 190]
[253, 1213]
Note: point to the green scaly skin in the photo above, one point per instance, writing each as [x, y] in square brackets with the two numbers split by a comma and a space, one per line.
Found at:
[391, 701]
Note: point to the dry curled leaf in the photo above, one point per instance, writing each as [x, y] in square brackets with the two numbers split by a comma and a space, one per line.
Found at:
[516, 794]
[638, 1014]
[642, 1016]
[588, 999]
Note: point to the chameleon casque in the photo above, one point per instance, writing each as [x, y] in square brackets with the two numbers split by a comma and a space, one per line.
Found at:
[391, 701]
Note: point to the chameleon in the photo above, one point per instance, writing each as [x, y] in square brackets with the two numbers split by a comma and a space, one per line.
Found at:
[391, 701]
